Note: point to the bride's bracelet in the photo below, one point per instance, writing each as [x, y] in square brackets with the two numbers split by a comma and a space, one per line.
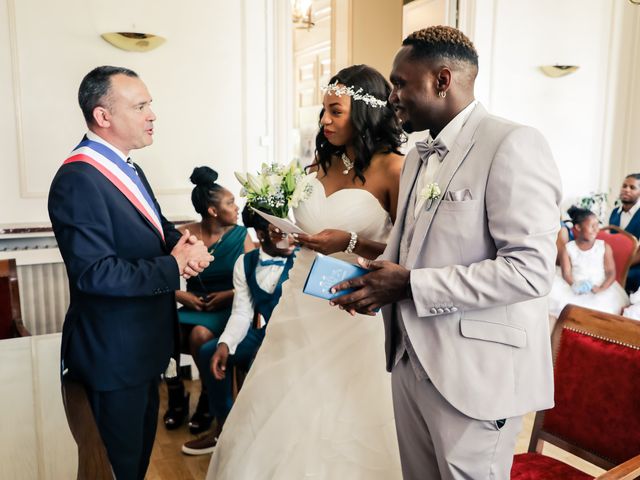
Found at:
[352, 242]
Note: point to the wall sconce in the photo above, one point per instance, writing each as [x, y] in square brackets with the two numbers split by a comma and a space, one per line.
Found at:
[302, 13]
[133, 42]
[555, 71]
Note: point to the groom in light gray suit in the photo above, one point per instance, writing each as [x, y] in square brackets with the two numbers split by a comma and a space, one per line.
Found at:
[464, 278]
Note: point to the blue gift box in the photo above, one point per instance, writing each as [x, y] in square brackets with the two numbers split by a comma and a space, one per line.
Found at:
[328, 271]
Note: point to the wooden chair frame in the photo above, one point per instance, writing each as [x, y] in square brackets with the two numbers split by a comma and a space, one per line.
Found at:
[93, 462]
[622, 276]
[602, 325]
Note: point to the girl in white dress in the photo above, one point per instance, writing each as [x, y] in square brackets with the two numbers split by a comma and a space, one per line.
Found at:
[316, 403]
[633, 310]
[588, 270]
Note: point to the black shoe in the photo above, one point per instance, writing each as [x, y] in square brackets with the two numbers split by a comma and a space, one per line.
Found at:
[201, 419]
[178, 408]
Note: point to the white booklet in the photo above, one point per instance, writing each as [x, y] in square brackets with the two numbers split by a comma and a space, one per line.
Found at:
[282, 223]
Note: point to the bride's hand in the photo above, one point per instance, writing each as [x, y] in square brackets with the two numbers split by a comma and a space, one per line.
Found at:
[326, 242]
[275, 234]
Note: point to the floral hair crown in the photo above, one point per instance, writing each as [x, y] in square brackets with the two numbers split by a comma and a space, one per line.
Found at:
[358, 94]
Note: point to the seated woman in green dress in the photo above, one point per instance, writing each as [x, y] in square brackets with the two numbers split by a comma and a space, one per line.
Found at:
[206, 304]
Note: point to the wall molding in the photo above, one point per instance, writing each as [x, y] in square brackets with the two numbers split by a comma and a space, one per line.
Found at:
[314, 49]
[611, 93]
[17, 104]
[631, 93]
[23, 166]
[622, 92]
[282, 105]
[341, 34]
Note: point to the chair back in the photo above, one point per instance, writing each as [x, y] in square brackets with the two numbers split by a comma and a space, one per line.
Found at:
[10, 315]
[597, 386]
[624, 246]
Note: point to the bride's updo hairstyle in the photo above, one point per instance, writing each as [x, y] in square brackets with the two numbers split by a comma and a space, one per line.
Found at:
[375, 129]
[206, 191]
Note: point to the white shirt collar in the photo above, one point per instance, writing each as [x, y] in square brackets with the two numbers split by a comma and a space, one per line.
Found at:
[632, 211]
[97, 138]
[449, 133]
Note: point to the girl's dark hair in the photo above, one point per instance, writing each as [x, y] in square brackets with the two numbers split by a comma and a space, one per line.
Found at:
[252, 219]
[578, 215]
[375, 129]
[206, 191]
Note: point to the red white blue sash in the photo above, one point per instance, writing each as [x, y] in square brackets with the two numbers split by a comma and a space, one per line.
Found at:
[121, 175]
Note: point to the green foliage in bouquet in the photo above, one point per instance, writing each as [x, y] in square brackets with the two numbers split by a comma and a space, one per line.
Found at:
[276, 188]
[597, 203]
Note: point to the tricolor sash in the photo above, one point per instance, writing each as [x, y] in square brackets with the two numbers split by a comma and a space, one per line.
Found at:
[121, 175]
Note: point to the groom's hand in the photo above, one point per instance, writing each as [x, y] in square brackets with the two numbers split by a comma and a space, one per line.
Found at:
[386, 283]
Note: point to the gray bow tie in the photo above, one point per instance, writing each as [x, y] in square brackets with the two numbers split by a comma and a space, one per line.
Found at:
[426, 149]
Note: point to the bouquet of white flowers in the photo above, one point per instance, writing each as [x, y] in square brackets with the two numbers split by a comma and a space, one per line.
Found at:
[276, 188]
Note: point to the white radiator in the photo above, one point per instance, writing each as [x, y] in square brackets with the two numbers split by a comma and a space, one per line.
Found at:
[44, 296]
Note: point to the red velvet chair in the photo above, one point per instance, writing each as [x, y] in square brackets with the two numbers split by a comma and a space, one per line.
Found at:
[597, 399]
[10, 314]
[624, 246]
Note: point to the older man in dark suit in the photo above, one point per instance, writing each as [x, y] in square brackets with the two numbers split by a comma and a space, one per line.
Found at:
[124, 260]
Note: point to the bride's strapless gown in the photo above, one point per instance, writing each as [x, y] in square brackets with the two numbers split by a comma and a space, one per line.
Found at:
[317, 401]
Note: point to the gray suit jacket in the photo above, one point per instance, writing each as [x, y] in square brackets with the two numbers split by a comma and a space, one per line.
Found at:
[482, 263]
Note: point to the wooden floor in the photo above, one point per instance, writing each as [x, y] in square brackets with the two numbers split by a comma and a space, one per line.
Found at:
[168, 462]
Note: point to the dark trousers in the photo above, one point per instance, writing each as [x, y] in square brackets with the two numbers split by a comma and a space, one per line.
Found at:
[220, 391]
[633, 279]
[127, 420]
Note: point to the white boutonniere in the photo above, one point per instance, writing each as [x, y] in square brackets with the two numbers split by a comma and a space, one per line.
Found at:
[430, 192]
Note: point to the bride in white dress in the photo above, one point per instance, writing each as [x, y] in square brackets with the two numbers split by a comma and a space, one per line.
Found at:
[317, 401]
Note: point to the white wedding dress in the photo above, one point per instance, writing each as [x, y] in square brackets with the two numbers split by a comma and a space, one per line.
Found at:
[317, 401]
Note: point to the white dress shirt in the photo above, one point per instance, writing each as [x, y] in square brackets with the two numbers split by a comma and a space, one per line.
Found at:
[448, 137]
[94, 137]
[625, 217]
[242, 310]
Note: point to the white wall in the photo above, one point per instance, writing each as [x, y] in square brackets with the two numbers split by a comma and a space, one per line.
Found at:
[576, 113]
[424, 13]
[211, 82]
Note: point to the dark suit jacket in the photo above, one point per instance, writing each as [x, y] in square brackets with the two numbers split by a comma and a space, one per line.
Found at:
[634, 225]
[121, 325]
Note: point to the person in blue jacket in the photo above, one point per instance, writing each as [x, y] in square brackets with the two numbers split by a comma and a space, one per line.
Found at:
[626, 217]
